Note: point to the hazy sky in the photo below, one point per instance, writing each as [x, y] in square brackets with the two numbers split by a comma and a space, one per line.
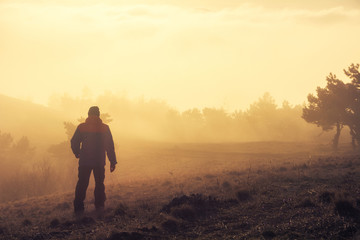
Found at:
[189, 53]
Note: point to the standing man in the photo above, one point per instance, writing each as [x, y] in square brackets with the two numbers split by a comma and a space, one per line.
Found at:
[90, 142]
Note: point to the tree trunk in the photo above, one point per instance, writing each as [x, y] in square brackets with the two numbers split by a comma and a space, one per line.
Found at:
[356, 136]
[353, 138]
[337, 135]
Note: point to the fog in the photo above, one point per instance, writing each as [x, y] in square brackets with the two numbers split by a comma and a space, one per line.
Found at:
[150, 137]
[176, 81]
[155, 120]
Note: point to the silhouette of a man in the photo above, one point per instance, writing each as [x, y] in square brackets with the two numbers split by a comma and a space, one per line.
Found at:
[90, 142]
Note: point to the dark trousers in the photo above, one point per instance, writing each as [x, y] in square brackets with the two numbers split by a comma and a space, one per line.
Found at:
[83, 183]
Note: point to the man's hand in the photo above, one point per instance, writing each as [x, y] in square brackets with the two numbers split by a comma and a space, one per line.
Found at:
[112, 168]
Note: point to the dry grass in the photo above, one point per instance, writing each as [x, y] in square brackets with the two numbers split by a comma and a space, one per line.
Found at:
[212, 192]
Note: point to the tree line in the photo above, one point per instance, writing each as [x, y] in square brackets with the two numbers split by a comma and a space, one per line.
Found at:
[264, 120]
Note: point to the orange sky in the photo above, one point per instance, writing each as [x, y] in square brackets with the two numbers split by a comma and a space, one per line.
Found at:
[190, 54]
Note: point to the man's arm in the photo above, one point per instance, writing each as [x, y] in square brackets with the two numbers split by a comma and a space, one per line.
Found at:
[110, 150]
[75, 143]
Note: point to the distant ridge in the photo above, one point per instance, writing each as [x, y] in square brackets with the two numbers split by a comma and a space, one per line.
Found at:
[40, 124]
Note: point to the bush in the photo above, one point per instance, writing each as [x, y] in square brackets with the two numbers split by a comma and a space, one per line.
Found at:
[282, 169]
[63, 206]
[2, 230]
[26, 222]
[268, 234]
[226, 185]
[170, 225]
[326, 197]
[86, 221]
[126, 235]
[345, 208]
[243, 195]
[120, 210]
[307, 203]
[184, 212]
[192, 207]
[54, 223]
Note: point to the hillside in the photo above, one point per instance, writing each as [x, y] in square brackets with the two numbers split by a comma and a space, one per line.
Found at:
[40, 124]
[301, 193]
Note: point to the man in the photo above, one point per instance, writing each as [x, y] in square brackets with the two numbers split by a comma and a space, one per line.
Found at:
[95, 139]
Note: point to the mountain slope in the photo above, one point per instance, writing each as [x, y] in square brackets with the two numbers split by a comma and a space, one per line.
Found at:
[40, 124]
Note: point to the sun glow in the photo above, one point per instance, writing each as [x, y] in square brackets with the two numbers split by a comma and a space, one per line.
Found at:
[219, 55]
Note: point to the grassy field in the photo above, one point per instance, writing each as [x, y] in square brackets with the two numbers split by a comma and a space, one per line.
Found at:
[267, 190]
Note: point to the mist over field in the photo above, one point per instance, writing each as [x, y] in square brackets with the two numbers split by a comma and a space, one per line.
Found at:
[231, 119]
[36, 146]
[210, 162]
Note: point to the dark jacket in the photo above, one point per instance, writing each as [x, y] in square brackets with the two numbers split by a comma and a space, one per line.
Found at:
[95, 138]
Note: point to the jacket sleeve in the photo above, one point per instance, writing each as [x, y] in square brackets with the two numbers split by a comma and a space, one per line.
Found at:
[109, 147]
[75, 142]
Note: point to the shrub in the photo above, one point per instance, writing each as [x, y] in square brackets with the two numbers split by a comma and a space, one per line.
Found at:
[125, 235]
[268, 234]
[193, 206]
[307, 203]
[170, 225]
[226, 185]
[282, 169]
[63, 206]
[209, 176]
[87, 221]
[243, 195]
[166, 183]
[54, 223]
[2, 230]
[326, 197]
[185, 212]
[26, 222]
[345, 208]
[120, 210]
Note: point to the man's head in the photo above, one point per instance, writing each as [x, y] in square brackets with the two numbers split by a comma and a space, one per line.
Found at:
[94, 111]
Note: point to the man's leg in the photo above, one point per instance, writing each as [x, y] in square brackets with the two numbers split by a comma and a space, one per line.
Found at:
[81, 186]
[99, 193]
